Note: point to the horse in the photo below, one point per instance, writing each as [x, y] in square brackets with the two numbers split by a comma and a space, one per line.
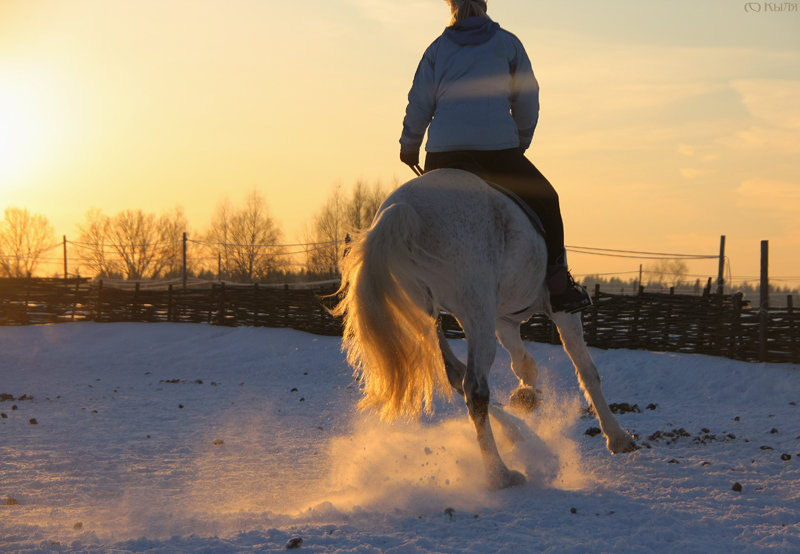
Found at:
[448, 241]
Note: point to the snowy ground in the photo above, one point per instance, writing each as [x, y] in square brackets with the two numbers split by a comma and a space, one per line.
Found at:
[165, 438]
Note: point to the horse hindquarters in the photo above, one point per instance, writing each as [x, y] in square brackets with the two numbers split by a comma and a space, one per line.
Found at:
[389, 337]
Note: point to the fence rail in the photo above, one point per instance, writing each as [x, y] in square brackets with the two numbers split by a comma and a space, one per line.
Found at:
[720, 325]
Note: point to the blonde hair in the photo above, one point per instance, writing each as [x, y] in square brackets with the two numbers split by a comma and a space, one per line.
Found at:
[462, 9]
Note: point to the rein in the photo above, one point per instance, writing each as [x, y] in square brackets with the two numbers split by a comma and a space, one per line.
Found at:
[416, 169]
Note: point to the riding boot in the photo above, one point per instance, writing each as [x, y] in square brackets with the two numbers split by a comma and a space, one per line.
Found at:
[565, 294]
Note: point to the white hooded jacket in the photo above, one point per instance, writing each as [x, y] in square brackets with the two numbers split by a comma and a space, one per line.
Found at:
[474, 90]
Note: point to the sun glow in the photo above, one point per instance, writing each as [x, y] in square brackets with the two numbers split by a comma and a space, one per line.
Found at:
[22, 131]
[37, 115]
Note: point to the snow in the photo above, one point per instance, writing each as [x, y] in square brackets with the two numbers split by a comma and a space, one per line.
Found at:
[180, 437]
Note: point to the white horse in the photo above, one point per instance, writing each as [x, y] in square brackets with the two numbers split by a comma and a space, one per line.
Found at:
[448, 241]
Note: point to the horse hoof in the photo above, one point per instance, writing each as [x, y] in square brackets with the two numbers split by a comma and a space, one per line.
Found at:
[517, 479]
[525, 399]
[509, 478]
[623, 446]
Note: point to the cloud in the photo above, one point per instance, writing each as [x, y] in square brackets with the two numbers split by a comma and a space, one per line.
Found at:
[766, 138]
[779, 197]
[694, 173]
[775, 112]
[771, 101]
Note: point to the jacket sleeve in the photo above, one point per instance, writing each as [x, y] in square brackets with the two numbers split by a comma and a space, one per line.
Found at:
[421, 102]
[525, 95]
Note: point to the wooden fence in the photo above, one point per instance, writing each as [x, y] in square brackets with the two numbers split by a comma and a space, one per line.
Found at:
[720, 325]
[42, 301]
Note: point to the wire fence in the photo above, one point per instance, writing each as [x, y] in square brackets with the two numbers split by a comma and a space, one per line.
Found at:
[198, 257]
[302, 261]
[80, 254]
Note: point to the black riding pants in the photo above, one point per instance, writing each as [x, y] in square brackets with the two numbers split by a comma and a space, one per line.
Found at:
[512, 170]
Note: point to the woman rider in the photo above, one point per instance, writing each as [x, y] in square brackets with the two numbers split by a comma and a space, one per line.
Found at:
[475, 93]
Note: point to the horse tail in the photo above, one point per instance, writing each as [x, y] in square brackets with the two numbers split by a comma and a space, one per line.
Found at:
[389, 321]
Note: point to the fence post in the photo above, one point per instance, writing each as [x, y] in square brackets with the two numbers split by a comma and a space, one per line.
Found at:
[169, 303]
[183, 274]
[66, 275]
[27, 294]
[286, 319]
[720, 279]
[256, 304]
[135, 307]
[98, 311]
[763, 315]
[735, 329]
[221, 305]
[212, 300]
[793, 335]
[637, 307]
[668, 318]
[75, 298]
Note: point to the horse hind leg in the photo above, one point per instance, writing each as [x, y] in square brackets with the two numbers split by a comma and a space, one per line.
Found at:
[454, 367]
[456, 370]
[525, 397]
[480, 355]
[571, 331]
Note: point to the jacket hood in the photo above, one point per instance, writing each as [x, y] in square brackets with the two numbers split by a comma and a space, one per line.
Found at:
[472, 30]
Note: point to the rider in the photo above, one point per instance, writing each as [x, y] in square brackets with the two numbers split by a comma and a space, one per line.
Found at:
[475, 93]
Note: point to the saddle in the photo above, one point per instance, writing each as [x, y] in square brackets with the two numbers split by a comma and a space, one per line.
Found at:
[532, 215]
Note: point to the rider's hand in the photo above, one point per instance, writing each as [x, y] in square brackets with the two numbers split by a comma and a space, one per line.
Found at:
[409, 157]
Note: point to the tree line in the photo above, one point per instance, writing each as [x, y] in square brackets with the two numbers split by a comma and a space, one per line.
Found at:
[243, 242]
[656, 279]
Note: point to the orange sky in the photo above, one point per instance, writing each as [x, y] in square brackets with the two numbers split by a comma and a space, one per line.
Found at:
[663, 126]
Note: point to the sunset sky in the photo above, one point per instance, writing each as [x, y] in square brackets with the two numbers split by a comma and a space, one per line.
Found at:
[664, 124]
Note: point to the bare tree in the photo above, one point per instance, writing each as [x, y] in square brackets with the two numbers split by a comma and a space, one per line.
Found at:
[133, 244]
[340, 216]
[219, 238]
[363, 205]
[329, 235]
[171, 227]
[134, 237]
[93, 244]
[246, 240]
[668, 272]
[24, 237]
